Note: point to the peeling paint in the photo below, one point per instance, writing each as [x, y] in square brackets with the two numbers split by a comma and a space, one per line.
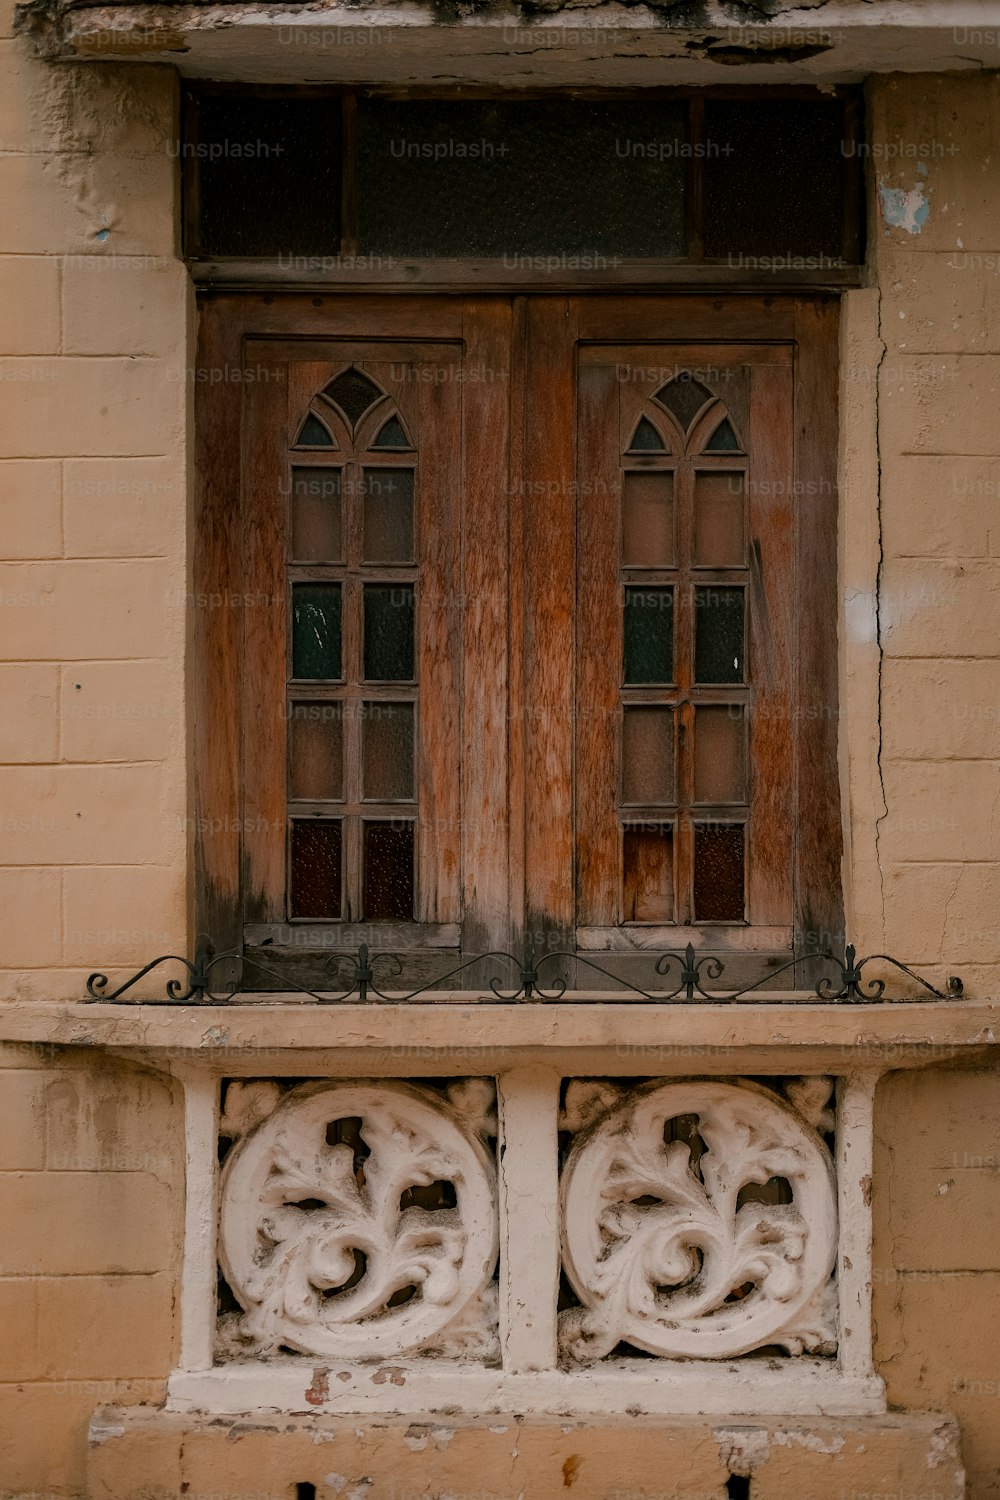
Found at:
[790, 1438]
[904, 208]
[319, 1391]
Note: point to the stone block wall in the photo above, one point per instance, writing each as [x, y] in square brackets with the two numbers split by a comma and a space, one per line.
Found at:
[95, 321]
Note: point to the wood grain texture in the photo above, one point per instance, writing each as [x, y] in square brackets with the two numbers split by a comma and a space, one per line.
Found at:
[819, 892]
[485, 615]
[217, 576]
[549, 521]
[774, 595]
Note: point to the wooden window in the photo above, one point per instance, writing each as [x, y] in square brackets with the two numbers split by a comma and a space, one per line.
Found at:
[535, 638]
[686, 638]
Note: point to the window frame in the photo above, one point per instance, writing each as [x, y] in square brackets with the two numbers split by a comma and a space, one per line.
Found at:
[517, 791]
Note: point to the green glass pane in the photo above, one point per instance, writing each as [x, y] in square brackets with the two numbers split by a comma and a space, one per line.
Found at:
[392, 435]
[649, 635]
[389, 632]
[723, 439]
[316, 632]
[313, 434]
[646, 439]
[719, 650]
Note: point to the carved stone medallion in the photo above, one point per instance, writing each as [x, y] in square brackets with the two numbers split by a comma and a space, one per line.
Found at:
[699, 1221]
[358, 1220]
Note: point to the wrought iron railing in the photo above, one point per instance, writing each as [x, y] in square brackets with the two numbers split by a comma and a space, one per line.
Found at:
[689, 973]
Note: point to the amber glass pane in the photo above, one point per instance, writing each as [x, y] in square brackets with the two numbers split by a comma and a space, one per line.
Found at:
[648, 520]
[316, 630]
[388, 514]
[718, 873]
[316, 864]
[649, 875]
[684, 398]
[316, 518]
[648, 755]
[387, 738]
[719, 646]
[388, 876]
[718, 520]
[719, 754]
[354, 393]
[388, 632]
[316, 752]
[649, 635]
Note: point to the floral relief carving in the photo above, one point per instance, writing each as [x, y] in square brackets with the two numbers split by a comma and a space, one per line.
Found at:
[358, 1220]
[699, 1219]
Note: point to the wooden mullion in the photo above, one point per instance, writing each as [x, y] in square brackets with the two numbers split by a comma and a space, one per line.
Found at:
[695, 181]
[349, 176]
[352, 875]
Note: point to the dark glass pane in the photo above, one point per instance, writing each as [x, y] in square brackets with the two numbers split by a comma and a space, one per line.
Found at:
[648, 756]
[316, 523]
[316, 751]
[719, 520]
[684, 397]
[388, 632]
[312, 434]
[269, 175]
[773, 177]
[646, 439]
[522, 179]
[649, 635]
[388, 879]
[718, 873]
[388, 515]
[354, 393]
[648, 520]
[649, 875]
[387, 735]
[316, 630]
[719, 754]
[718, 640]
[723, 439]
[392, 435]
[316, 864]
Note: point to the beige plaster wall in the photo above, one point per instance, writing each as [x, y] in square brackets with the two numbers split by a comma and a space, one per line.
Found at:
[94, 395]
[921, 575]
[95, 321]
[91, 1204]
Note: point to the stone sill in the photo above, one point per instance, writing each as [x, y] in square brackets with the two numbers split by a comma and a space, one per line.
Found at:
[775, 1034]
[653, 1387]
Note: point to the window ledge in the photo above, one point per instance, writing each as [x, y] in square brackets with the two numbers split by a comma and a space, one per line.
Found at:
[778, 1032]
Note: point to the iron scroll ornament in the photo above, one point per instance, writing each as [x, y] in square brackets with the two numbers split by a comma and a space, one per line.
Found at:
[689, 972]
